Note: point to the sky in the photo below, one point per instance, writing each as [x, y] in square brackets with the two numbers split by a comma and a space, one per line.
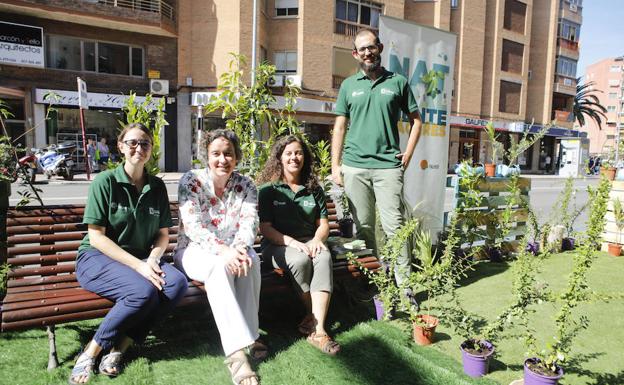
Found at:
[602, 32]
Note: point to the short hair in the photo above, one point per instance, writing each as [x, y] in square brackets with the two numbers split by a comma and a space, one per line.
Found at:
[362, 31]
[132, 126]
[228, 135]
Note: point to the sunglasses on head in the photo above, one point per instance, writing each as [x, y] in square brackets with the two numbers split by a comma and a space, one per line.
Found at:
[133, 143]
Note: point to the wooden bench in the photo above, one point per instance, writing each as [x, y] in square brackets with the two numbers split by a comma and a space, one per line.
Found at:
[42, 290]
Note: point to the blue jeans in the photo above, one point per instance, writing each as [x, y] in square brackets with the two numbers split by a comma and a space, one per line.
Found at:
[138, 303]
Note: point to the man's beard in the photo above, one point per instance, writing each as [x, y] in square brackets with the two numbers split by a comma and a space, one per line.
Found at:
[371, 67]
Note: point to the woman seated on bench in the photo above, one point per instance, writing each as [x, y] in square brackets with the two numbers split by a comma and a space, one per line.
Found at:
[128, 220]
[293, 221]
[218, 224]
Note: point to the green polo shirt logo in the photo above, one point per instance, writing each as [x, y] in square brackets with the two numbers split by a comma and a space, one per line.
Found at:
[357, 93]
[278, 203]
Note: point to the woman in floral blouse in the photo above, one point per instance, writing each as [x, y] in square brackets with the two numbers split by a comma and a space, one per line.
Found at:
[218, 225]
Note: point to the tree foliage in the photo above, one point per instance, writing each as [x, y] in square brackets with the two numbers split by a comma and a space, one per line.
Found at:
[586, 104]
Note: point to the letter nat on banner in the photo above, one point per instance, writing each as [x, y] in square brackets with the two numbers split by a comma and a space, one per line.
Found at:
[426, 57]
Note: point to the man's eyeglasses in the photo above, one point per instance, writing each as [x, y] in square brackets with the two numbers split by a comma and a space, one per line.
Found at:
[371, 48]
[133, 143]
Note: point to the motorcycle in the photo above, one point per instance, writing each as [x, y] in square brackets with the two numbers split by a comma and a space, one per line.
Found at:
[57, 160]
[27, 167]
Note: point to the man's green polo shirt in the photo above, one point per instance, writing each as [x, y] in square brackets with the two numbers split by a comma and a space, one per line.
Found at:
[291, 213]
[132, 219]
[374, 109]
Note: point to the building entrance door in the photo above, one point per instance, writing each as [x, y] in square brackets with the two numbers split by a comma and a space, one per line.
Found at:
[468, 148]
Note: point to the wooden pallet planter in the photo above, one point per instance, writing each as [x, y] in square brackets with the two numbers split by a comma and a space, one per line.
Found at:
[611, 233]
[493, 193]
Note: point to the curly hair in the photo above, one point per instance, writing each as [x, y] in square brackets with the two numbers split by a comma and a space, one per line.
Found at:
[273, 170]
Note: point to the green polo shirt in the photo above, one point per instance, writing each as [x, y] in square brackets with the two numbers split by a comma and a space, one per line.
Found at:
[132, 219]
[374, 109]
[291, 213]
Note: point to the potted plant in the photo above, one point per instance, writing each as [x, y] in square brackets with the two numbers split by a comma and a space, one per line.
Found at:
[567, 213]
[607, 167]
[615, 249]
[345, 223]
[495, 146]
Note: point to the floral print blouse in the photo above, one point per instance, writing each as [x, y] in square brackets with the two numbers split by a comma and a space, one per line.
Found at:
[208, 220]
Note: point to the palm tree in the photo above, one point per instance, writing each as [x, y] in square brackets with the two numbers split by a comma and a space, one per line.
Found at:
[587, 105]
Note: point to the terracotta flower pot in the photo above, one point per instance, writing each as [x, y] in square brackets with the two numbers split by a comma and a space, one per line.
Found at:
[424, 329]
[490, 169]
[609, 172]
[533, 378]
[615, 249]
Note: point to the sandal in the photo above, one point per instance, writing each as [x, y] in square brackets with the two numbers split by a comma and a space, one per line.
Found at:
[111, 364]
[324, 343]
[234, 366]
[82, 368]
[308, 325]
[258, 351]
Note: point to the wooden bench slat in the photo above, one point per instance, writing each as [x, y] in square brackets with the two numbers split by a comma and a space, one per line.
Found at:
[26, 221]
[42, 270]
[26, 282]
[47, 229]
[54, 292]
[55, 320]
[42, 259]
[45, 288]
[45, 238]
[44, 249]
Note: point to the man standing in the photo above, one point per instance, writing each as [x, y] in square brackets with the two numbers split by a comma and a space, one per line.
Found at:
[372, 163]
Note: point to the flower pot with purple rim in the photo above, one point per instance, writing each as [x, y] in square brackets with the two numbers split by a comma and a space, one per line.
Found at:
[346, 227]
[533, 247]
[567, 244]
[476, 363]
[533, 378]
[379, 309]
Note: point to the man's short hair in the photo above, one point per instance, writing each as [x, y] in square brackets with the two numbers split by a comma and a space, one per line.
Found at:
[362, 31]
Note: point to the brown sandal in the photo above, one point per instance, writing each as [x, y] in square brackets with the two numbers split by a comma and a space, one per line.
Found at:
[324, 343]
[307, 326]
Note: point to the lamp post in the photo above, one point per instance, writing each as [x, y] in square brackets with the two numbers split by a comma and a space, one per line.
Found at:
[618, 110]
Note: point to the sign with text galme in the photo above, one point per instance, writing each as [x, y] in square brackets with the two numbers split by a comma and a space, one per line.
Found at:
[21, 45]
[426, 57]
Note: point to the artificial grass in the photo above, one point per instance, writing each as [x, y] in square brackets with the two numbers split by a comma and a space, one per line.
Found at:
[596, 357]
[185, 349]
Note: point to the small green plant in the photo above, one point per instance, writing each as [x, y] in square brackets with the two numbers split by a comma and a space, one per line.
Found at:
[495, 146]
[525, 143]
[152, 118]
[323, 164]
[567, 210]
[5, 268]
[567, 323]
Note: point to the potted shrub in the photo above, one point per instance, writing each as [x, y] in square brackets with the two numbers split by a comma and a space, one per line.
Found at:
[607, 168]
[615, 249]
[345, 223]
[495, 146]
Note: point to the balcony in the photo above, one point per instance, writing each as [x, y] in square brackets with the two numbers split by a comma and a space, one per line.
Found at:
[567, 48]
[154, 17]
[565, 85]
[348, 28]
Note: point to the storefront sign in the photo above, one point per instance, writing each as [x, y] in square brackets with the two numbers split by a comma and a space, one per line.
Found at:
[517, 127]
[83, 95]
[70, 98]
[302, 105]
[426, 57]
[21, 45]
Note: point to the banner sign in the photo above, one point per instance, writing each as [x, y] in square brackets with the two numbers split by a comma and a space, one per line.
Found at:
[426, 57]
[21, 45]
[71, 98]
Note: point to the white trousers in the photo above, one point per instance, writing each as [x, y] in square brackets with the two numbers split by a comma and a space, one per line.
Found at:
[234, 300]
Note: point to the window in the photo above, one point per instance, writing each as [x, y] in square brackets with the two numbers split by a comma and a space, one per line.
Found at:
[364, 13]
[512, 56]
[515, 14]
[614, 68]
[509, 100]
[286, 62]
[454, 3]
[612, 95]
[80, 55]
[569, 30]
[286, 8]
[566, 66]
[610, 108]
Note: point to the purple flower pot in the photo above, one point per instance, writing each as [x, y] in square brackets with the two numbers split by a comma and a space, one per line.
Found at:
[533, 248]
[495, 254]
[379, 309]
[477, 365]
[532, 378]
[567, 244]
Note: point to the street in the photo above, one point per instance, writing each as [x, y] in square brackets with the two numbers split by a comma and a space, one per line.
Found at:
[544, 192]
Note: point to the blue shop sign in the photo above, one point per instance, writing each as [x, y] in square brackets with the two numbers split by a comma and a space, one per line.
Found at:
[559, 131]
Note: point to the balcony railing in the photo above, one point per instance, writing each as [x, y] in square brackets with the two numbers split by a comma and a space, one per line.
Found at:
[561, 115]
[568, 44]
[337, 81]
[161, 7]
[343, 27]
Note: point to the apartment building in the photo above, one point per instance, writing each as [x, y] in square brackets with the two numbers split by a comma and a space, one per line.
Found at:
[608, 76]
[516, 61]
[115, 46]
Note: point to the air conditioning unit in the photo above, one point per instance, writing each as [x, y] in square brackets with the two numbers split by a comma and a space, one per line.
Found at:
[276, 81]
[573, 7]
[159, 87]
[294, 80]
